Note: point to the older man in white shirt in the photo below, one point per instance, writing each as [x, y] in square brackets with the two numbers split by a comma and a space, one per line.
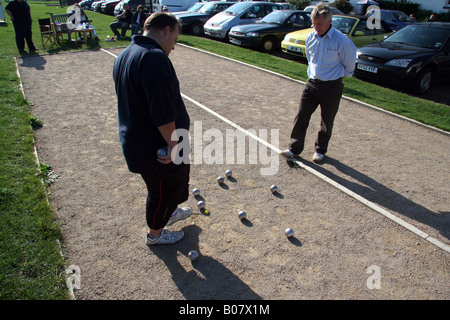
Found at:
[331, 56]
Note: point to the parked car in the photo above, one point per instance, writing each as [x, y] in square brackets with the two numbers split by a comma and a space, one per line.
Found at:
[333, 9]
[174, 5]
[353, 27]
[266, 34]
[239, 13]
[133, 4]
[97, 6]
[108, 7]
[194, 8]
[86, 4]
[192, 22]
[411, 57]
[287, 6]
[395, 19]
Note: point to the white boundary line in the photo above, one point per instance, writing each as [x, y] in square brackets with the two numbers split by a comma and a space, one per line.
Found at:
[347, 191]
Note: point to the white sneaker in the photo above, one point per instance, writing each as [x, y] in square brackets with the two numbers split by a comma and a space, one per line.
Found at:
[318, 157]
[181, 214]
[166, 237]
[288, 154]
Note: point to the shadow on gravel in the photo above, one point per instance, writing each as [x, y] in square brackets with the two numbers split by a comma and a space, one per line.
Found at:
[378, 193]
[210, 280]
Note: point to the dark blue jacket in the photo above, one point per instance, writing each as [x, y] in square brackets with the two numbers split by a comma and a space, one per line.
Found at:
[148, 96]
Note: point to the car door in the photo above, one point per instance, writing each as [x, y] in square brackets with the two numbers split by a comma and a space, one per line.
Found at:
[445, 62]
[363, 35]
[296, 21]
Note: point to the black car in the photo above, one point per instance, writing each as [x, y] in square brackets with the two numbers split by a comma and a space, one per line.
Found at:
[192, 22]
[267, 33]
[412, 57]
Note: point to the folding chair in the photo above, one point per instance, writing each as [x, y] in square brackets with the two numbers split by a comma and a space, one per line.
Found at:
[47, 35]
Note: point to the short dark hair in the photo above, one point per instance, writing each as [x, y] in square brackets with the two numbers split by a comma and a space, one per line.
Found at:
[161, 20]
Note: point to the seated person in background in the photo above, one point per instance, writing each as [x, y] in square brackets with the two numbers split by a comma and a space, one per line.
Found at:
[123, 22]
[137, 22]
[81, 19]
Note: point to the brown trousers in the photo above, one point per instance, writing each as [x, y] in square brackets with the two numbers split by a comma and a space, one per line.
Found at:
[327, 94]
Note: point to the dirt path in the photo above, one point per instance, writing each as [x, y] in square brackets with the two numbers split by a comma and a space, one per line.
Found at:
[402, 167]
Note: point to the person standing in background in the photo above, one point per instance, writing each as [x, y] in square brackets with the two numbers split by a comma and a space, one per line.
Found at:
[331, 57]
[20, 13]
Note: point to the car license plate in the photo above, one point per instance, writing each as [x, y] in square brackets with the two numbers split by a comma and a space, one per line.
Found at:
[367, 68]
[234, 41]
[295, 49]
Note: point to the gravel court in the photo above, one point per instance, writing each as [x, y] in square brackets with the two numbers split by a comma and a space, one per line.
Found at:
[100, 204]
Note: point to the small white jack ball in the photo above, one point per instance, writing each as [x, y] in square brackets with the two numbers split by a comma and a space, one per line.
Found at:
[228, 173]
[193, 255]
[242, 214]
[201, 204]
[195, 191]
[220, 180]
[273, 188]
[289, 232]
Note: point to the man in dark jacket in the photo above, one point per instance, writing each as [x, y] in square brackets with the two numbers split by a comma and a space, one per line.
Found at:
[123, 22]
[138, 20]
[19, 12]
[151, 112]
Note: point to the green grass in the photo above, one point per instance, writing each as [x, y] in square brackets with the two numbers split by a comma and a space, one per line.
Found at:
[30, 264]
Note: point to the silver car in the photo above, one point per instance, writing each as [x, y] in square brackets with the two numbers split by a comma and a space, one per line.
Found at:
[240, 13]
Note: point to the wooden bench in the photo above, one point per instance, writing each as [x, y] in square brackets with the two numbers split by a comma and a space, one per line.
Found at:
[59, 23]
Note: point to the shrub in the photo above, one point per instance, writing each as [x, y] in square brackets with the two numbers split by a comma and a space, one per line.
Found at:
[343, 5]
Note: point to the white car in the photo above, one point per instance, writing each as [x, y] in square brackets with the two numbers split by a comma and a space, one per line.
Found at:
[240, 13]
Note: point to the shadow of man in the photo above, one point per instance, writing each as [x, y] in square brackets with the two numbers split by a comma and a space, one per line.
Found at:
[378, 193]
[210, 280]
[34, 61]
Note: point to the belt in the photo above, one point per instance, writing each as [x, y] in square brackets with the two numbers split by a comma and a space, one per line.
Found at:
[324, 81]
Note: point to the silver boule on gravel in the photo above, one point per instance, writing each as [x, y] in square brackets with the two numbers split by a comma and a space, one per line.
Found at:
[242, 214]
[196, 191]
[273, 188]
[220, 180]
[289, 232]
[201, 204]
[228, 173]
[193, 255]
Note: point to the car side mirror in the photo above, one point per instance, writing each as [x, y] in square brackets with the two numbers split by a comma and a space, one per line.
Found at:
[359, 33]
[290, 23]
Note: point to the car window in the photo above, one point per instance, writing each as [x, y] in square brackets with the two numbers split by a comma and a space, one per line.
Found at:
[403, 17]
[298, 20]
[362, 26]
[389, 17]
[270, 8]
[343, 24]
[424, 37]
[255, 11]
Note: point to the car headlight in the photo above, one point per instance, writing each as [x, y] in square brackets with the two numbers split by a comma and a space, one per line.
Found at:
[252, 34]
[402, 63]
[286, 38]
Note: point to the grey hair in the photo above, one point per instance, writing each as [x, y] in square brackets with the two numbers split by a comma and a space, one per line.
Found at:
[322, 9]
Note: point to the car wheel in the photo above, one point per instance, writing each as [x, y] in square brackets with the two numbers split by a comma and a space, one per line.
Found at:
[423, 81]
[268, 44]
[197, 29]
